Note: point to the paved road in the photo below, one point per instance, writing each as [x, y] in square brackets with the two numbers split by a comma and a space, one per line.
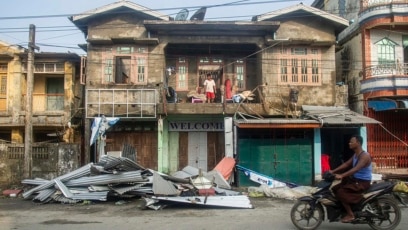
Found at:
[268, 213]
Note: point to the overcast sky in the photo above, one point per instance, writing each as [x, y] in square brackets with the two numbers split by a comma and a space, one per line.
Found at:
[55, 33]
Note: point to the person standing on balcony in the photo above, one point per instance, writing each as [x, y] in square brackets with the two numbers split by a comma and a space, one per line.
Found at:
[209, 88]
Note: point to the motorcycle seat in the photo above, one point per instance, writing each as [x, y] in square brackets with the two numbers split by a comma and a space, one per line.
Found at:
[379, 186]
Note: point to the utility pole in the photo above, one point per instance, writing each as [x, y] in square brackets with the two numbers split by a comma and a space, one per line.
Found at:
[28, 156]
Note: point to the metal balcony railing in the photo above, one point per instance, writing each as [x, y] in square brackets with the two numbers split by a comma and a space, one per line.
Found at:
[386, 69]
[366, 5]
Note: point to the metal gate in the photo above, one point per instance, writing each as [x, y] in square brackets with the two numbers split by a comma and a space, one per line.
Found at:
[287, 160]
[387, 143]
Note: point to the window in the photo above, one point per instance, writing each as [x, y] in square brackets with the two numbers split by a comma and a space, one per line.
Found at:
[46, 67]
[55, 93]
[125, 65]
[240, 77]
[182, 76]
[141, 72]
[3, 87]
[386, 52]
[299, 65]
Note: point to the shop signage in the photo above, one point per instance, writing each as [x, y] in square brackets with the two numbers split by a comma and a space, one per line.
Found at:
[196, 126]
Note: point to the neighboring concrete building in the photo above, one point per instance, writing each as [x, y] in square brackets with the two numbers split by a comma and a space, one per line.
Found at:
[373, 61]
[57, 94]
[57, 97]
[148, 69]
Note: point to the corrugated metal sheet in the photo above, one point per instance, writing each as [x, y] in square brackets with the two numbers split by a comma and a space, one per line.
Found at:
[83, 171]
[240, 201]
[163, 187]
[334, 115]
[81, 185]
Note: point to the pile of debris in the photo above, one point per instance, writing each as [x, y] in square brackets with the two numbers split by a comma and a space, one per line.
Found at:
[122, 178]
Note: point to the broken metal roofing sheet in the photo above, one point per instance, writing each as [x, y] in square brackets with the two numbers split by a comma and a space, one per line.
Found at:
[122, 190]
[34, 181]
[82, 185]
[123, 177]
[80, 172]
[163, 187]
[241, 201]
[187, 172]
[44, 194]
[218, 179]
[102, 196]
[120, 163]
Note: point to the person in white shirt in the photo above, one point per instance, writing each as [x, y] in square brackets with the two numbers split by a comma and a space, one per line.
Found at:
[210, 89]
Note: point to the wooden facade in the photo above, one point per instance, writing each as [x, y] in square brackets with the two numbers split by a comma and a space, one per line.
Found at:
[270, 59]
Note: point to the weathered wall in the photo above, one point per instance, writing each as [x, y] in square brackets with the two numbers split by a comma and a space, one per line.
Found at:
[116, 26]
[49, 161]
[314, 29]
[350, 69]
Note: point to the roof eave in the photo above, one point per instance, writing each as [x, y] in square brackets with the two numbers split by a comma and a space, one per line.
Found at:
[116, 5]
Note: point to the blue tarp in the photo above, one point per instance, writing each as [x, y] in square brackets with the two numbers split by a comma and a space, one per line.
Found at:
[382, 105]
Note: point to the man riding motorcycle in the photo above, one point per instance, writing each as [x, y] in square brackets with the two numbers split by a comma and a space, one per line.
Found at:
[355, 175]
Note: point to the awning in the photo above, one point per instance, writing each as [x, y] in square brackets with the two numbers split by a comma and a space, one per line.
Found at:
[334, 115]
[276, 123]
[382, 105]
[313, 117]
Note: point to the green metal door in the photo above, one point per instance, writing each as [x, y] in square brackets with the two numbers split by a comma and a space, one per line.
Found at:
[287, 160]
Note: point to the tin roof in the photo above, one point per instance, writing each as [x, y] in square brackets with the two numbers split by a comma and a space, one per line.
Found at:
[312, 117]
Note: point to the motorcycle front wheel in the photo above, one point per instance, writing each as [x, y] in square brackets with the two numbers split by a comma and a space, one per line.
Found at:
[304, 217]
[387, 214]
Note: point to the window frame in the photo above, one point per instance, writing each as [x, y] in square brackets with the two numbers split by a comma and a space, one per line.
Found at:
[182, 71]
[3, 86]
[137, 57]
[299, 65]
[386, 49]
[240, 78]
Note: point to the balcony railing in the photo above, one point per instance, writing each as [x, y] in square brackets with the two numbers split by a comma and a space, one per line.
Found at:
[125, 103]
[386, 69]
[367, 4]
[45, 102]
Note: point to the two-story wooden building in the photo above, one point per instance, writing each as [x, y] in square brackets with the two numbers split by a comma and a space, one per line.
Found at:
[148, 69]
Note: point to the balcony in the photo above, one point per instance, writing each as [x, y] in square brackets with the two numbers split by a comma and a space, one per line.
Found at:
[385, 80]
[375, 8]
[386, 70]
[46, 67]
[124, 103]
[45, 102]
[377, 4]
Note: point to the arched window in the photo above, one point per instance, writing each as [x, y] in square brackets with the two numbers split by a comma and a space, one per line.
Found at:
[386, 51]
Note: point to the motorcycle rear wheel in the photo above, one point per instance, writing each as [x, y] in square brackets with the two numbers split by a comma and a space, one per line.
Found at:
[304, 217]
[389, 214]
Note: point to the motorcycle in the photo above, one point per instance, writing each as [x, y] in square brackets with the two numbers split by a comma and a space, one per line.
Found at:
[379, 208]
